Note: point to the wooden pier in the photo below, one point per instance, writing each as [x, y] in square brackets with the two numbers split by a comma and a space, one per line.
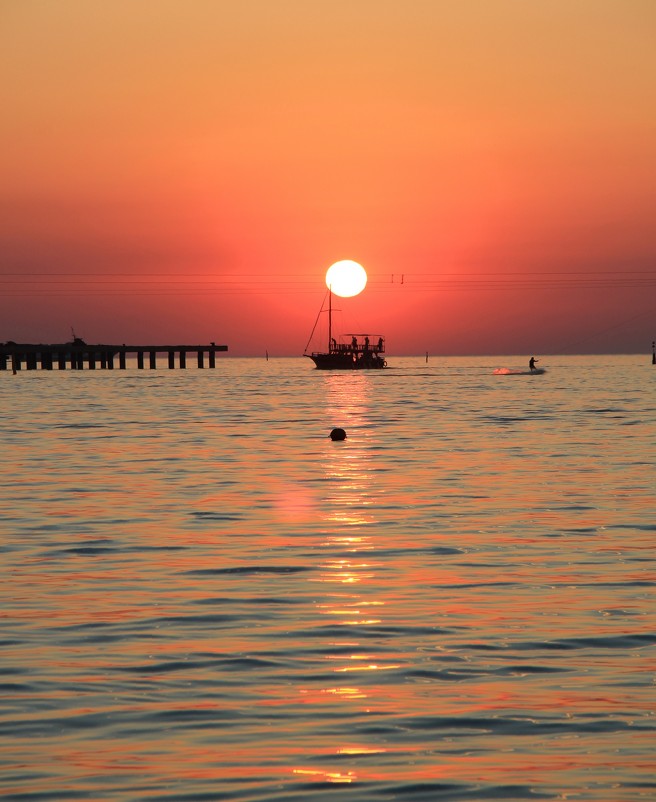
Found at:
[79, 355]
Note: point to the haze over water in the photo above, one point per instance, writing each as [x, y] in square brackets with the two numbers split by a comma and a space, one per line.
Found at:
[204, 597]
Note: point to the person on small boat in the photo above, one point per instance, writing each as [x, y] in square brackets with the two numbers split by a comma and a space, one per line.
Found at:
[531, 363]
[354, 343]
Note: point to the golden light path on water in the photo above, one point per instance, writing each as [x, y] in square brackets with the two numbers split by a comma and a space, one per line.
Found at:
[349, 474]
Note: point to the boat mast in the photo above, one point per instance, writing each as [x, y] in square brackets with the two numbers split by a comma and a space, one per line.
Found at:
[330, 315]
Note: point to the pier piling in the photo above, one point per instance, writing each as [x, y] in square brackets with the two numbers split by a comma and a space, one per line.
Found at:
[79, 354]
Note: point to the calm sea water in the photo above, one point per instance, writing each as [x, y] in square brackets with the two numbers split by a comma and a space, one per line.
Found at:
[205, 598]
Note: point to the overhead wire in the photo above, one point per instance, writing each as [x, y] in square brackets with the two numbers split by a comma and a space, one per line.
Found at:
[155, 283]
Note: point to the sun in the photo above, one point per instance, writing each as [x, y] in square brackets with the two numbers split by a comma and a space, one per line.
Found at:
[346, 278]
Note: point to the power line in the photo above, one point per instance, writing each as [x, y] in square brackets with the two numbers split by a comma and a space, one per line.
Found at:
[303, 276]
[72, 283]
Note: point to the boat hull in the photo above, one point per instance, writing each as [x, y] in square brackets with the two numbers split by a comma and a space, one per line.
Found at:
[347, 361]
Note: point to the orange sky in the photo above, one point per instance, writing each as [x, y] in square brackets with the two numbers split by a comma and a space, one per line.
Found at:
[186, 171]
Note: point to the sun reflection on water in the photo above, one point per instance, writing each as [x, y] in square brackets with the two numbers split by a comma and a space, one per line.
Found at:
[348, 468]
[328, 776]
[349, 511]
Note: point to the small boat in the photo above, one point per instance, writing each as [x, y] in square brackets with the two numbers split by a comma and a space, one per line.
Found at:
[351, 352]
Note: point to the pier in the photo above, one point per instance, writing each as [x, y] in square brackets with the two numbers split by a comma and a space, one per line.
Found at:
[78, 355]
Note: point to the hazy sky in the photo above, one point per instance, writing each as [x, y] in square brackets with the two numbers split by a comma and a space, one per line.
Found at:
[187, 170]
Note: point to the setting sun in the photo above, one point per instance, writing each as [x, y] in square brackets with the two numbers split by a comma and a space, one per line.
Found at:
[346, 278]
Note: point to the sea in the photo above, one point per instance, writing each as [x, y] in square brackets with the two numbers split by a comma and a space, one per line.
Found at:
[204, 597]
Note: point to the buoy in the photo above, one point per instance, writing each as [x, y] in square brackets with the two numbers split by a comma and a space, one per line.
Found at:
[338, 434]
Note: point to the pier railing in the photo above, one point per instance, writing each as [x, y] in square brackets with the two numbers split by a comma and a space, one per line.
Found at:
[78, 356]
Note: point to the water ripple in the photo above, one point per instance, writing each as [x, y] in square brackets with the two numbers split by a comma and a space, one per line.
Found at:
[206, 598]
